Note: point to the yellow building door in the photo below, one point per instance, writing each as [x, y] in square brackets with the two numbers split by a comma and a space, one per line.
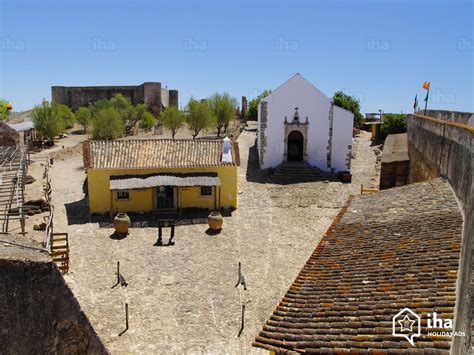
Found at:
[165, 197]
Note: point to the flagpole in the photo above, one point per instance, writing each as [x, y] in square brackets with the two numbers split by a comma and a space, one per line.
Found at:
[426, 101]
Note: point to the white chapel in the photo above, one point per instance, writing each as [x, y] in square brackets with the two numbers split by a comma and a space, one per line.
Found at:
[298, 123]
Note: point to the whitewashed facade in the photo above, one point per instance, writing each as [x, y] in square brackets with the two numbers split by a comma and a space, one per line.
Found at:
[297, 122]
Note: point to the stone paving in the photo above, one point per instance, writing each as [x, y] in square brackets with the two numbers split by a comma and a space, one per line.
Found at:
[182, 298]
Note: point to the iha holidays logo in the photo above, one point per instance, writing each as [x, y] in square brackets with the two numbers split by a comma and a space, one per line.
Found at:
[407, 324]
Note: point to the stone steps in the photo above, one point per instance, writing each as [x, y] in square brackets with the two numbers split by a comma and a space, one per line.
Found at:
[297, 172]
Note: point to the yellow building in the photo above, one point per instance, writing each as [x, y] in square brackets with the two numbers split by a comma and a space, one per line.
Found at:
[161, 174]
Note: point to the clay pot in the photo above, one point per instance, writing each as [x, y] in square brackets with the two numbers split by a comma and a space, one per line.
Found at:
[121, 223]
[215, 220]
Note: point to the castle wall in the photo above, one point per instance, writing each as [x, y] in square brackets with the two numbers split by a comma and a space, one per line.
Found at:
[439, 148]
[173, 98]
[149, 93]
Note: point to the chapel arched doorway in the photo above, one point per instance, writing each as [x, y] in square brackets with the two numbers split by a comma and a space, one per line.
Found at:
[295, 146]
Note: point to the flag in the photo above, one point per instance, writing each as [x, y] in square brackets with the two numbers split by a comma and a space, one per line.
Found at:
[415, 104]
[426, 98]
[426, 85]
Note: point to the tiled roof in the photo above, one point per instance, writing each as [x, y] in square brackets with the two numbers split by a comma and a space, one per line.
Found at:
[155, 153]
[387, 251]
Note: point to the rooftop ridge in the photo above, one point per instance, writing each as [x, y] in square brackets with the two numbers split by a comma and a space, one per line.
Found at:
[157, 139]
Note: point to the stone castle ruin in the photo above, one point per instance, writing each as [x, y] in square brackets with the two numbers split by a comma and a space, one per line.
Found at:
[151, 94]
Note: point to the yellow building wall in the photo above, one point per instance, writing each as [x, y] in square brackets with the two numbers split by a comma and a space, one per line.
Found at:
[102, 200]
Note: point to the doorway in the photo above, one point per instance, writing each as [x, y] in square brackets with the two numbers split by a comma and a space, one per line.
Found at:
[295, 146]
[164, 197]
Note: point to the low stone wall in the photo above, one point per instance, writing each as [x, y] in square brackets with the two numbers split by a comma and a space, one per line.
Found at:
[443, 148]
[393, 174]
[394, 161]
[40, 314]
[452, 116]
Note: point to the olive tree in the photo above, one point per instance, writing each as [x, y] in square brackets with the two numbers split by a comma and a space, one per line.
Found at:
[198, 116]
[173, 119]
[48, 123]
[223, 107]
[83, 117]
[64, 113]
[147, 120]
[107, 124]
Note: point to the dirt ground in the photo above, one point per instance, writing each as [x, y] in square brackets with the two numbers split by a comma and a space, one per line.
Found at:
[182, 298]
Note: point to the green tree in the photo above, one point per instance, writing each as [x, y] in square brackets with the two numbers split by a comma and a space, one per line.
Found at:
[350, 103]
[147, 120]
[48, 122]
[223, 107]
[252, 111]
[107, 124]
[199, 116]
[393, 123]
[173, 119]
[129, 115]
[83, 117]
[4, 111]
[127, 112]
[142, 116]
[64, 113]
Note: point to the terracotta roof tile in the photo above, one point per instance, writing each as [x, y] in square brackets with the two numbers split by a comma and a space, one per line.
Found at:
[386, 251]
[155, 153]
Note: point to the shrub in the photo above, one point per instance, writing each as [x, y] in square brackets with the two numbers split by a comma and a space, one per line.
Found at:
[252, 112]
[393, 123]
[350, 103]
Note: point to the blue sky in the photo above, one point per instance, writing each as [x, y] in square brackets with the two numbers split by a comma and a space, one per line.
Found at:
[380, 51]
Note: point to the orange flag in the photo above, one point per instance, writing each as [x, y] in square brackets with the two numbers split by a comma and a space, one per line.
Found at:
[426, 85]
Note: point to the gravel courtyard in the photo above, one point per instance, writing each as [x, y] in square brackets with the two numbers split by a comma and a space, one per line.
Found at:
[182, 298]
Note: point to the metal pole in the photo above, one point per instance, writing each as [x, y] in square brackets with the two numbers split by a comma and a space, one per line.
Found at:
[126, 315]
[243, 321]
[426, 101]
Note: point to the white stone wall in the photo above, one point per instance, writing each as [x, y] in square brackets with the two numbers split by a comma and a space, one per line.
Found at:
[343, 122]
[311, 103]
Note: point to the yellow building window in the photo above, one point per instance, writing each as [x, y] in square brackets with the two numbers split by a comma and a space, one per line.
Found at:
[123, 195]
[206, 190]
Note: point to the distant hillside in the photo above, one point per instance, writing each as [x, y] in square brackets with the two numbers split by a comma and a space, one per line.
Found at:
[17, 117]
